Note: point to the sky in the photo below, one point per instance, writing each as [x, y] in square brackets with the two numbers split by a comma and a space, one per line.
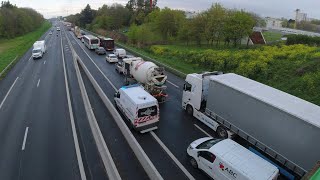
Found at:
[271, 8]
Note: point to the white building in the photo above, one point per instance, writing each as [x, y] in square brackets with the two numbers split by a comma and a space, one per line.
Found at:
[273, 23]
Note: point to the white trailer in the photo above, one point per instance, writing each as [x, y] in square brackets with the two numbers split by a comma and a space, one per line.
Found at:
[139, 108]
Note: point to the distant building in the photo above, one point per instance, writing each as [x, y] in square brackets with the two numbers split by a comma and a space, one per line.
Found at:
[273, 22]
[300, 16]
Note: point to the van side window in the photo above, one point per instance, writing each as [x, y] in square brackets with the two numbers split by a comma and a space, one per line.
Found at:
[187, 86]
[208, 156]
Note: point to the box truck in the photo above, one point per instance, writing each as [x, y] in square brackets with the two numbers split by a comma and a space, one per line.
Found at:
[281, 126]
[39, 48]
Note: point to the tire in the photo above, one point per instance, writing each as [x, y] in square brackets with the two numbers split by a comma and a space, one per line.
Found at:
[222, 132]
[193, 163]
[189, 110]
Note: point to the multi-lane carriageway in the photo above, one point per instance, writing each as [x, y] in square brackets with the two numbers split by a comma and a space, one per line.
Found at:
[45, 133]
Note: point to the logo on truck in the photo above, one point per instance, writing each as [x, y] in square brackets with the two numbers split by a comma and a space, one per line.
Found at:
[228, 170]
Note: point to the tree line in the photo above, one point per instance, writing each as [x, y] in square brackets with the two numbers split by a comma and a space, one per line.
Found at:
[16, 21]
[149, 24]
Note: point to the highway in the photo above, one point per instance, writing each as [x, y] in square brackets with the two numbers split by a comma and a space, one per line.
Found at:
[45, 133]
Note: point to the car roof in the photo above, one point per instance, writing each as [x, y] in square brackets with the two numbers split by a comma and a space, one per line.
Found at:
[245, 161]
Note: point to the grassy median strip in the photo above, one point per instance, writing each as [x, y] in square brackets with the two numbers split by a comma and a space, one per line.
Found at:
[11, 48]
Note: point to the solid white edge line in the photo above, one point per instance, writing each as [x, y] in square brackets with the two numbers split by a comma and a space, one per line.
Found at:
[44, 62]
[97, 66]
[164, 147]
[30, 58]
[38, 83]
[73, 127]
[202, 130]
[5, 97]
[25, 139]
[172, 84]
[8, 66]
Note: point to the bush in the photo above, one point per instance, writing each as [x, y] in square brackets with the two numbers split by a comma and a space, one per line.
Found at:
[303, 39]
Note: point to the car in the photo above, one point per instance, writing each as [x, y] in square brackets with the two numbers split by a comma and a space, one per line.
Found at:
[111, 58]
[50, 33]
[121, 53]
[58, 29]
[225, 159]
[100, 50]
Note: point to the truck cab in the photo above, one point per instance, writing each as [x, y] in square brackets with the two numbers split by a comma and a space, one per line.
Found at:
[123, 66]
[195, 91]
[139, 107]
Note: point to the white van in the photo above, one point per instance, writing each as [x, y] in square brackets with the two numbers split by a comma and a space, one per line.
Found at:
[224, 159]
[139, 107]
[39, 48]
[120, 53]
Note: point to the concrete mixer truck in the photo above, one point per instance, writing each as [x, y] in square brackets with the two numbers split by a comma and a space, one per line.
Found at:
[152, 77]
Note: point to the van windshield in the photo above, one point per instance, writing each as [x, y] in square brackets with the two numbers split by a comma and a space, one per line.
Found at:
[208, 144]
[36, 51]
[149, 111]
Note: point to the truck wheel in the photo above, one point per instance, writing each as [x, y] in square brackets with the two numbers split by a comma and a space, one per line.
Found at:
[189, 110]
[222, 132]
[194, 163]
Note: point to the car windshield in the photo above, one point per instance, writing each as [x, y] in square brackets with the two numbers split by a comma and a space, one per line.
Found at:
[208, 144]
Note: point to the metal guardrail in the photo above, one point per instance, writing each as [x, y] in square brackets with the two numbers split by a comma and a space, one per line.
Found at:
[168, 68]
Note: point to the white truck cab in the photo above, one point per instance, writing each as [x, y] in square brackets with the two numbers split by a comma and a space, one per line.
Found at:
[228, 160]
[139, 107]
[194, 98]
[121, 65]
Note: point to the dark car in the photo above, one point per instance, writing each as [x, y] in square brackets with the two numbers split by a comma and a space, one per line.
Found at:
[100, 50]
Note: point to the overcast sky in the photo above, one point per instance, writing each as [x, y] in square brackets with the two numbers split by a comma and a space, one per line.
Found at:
[272, 8]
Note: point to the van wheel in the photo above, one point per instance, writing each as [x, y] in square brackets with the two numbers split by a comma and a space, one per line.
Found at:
[189, 110]
[194, 163]
[222, 132]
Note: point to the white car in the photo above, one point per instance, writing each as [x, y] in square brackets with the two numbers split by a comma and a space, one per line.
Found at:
[111, 58]
[224, 159]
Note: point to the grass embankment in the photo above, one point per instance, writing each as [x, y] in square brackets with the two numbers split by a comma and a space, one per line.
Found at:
[294, 69]
[11, 48]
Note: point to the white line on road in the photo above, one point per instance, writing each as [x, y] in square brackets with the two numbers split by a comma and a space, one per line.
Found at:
[38, 83]
[25, 139]
[29, 58]
[202, 130]
[73, 126]
[164, 147]
[172, 84]
[4, 99]
[44, 62]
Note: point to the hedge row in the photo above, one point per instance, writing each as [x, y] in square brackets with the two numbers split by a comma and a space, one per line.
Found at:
[303, 39]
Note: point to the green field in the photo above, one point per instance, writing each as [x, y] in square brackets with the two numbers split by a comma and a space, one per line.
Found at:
[11, 48]
[271, 36]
